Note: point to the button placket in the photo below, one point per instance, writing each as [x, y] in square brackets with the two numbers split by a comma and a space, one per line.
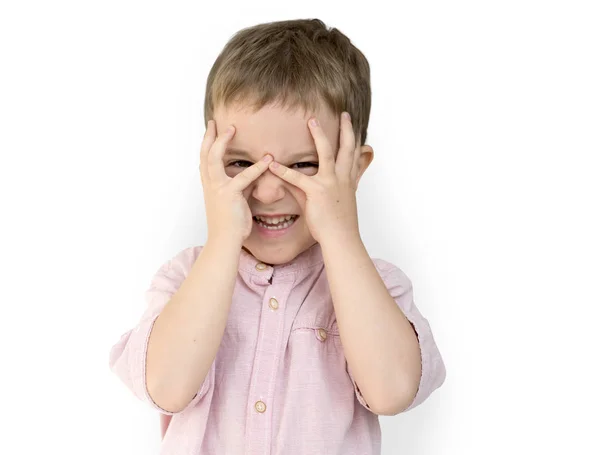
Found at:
[270, 340]
[260, 406]
[261, 267]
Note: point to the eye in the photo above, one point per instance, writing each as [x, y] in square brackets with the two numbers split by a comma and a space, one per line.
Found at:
[304, 164]
[308, 164]
[233, 163]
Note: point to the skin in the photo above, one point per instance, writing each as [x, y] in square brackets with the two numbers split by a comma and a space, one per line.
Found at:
[282, 134]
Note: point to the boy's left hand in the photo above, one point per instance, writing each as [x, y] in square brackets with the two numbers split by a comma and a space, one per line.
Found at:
[330, 209]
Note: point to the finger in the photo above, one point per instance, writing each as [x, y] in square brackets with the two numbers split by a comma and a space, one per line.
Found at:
[216, 170]
[355, 165]
[296, 178]
[207, 142]
[241, 181]
[346, 156]
[324, 150]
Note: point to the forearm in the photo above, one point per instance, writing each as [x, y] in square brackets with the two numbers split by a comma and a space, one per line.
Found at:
[380, 344]
[186, 335]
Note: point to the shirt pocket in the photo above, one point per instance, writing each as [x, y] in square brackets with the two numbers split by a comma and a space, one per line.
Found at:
[316, 316]
[315, 364]
[319, 333]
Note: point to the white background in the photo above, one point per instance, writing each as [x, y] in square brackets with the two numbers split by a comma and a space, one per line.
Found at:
[484, 189]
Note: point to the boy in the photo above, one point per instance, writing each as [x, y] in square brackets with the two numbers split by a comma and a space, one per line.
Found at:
[281, 335]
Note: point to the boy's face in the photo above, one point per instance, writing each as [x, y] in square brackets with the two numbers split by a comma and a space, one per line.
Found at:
[285, 135]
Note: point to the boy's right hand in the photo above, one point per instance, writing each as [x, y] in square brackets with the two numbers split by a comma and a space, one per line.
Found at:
[227, 212]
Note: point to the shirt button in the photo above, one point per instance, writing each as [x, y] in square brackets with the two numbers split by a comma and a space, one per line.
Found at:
[273, 303]
[261, 266]
[260, 406]
[322, 334]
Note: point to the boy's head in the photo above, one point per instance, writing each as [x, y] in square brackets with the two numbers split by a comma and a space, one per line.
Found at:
[268, 81]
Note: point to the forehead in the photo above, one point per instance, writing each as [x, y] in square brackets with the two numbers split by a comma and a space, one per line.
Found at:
[280, 131]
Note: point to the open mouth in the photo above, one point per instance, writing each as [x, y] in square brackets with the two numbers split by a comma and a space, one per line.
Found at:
[275, 224]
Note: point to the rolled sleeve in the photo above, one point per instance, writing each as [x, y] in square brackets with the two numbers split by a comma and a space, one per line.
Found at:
[433, 370]
[357, 392]
[128, 356]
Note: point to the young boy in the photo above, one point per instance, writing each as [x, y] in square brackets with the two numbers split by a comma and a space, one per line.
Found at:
[281, 335]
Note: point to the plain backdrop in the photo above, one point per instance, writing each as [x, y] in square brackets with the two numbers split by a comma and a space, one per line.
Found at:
[484, 190]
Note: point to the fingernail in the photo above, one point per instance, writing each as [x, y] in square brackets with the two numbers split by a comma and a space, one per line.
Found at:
[267, 158]
[274, 164]
[346, 115]
[230, 129]
[314, 122]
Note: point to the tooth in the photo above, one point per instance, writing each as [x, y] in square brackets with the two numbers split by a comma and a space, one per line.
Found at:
[275, 220]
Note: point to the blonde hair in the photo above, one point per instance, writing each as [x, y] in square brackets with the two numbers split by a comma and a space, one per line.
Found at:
[293, 63]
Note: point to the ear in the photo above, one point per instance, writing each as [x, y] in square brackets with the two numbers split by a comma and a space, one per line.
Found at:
[364, 159]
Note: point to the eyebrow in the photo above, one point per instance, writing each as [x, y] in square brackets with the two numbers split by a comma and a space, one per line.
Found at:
[239, 153]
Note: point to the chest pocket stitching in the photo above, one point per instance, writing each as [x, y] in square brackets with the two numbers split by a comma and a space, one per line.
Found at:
[330, 331]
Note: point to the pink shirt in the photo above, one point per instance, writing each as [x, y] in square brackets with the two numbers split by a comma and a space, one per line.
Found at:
[280, 384]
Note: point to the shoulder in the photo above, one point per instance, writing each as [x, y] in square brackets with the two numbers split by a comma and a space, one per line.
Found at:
[179, 265]
[184, 259]
[391, 273]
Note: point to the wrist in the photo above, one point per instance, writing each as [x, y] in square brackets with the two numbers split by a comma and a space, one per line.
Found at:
[224, 243]
[340, 239]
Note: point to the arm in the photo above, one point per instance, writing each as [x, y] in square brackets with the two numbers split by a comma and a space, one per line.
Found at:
[186, 335]
[380, 344]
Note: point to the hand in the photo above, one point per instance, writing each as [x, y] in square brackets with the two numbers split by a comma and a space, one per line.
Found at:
[227, 211]
[331, 193]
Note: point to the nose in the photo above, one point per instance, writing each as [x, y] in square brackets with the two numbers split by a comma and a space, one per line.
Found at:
[268, 188]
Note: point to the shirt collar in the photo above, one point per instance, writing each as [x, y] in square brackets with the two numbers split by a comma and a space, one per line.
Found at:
[305, 261]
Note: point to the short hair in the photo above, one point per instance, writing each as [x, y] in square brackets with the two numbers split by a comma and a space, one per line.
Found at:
[292, 63]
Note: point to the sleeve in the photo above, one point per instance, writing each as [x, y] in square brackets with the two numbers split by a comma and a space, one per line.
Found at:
[127, 357]
[433, 370]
